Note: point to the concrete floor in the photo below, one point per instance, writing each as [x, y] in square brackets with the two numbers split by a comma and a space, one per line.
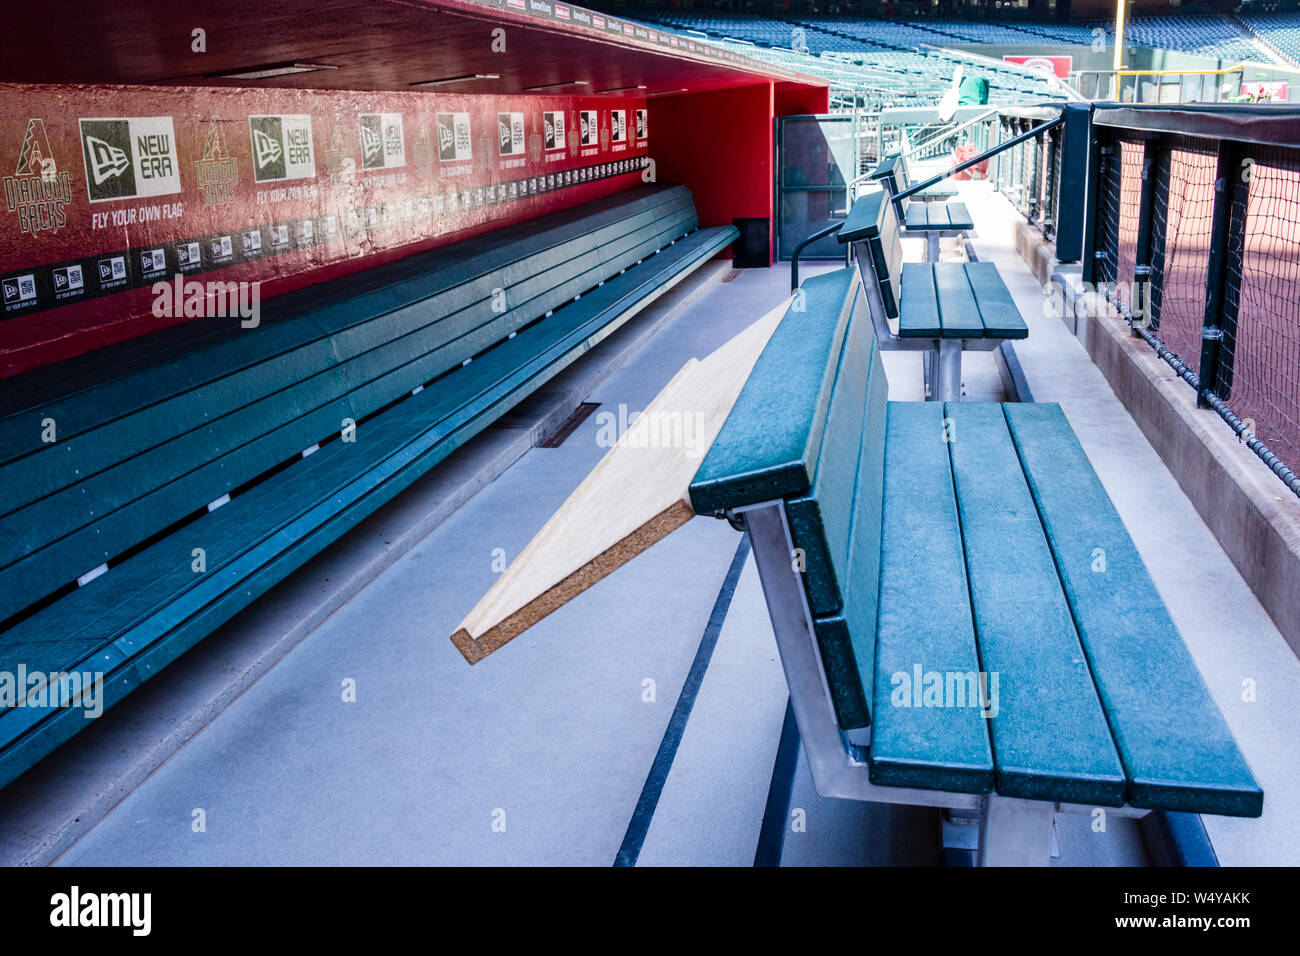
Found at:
[538, 755]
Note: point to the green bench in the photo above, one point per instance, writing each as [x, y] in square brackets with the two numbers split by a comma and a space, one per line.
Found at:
[932, 218]
[961, 615]
[899, 169]
[940, 308]
[196, 467]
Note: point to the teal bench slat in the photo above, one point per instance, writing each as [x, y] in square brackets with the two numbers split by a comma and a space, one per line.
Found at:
[820, 520]
[1176, 758]
[767, 448]
[957, 300]
[997, 309]
[847, 639]
[152, 606]
[1050, 736]
[925, 624]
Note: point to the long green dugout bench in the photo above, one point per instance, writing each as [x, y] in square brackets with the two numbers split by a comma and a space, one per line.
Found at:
[192, 469]
[931, 218]
[940, 308]
[962, 618]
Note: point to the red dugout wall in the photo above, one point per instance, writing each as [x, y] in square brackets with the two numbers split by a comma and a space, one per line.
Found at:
[108, 190]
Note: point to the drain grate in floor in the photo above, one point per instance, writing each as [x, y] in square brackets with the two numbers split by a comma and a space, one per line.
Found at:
[567, 427]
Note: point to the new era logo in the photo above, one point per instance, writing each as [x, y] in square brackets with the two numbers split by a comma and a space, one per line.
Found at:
[68, 279]
[106, 160]
[19, 289]
[266, 149]
[112, 269]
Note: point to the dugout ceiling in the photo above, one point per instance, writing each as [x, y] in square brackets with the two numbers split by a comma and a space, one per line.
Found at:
[371, 45]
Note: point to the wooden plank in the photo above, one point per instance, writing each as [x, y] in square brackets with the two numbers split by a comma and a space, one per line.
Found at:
[1178, 752]
[636, 495]
[958, 314]
[1050, 737]
[919, 738]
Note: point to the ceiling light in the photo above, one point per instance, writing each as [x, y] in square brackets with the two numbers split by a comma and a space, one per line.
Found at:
[463, 78]
[622, 89]
[555, 86]
[269, 71]
[666, 92]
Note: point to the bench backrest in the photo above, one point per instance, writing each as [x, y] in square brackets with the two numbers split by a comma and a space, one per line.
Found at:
[147, 437]
[809, 428]
[872, 228]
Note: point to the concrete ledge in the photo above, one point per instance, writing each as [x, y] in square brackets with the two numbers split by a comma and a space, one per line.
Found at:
[50, 807]
[1254, 516]
[1038, 253]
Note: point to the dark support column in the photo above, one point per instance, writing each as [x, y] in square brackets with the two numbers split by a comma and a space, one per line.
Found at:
[1232, 280]
[1160, 211]
[1091, 199]
[1216, 279]
[1146, 226]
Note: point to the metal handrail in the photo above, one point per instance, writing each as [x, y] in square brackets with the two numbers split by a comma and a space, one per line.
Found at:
[988, 153]
[794, 259]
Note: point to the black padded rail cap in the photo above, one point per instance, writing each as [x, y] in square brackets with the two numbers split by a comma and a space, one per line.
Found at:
[769, 444]
[863, 221]
[885, 167]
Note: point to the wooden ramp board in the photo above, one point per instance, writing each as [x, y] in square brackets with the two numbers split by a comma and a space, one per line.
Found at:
[636, 495]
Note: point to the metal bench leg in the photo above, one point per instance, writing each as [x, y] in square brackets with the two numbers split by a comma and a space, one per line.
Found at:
[932, 247]
[1016, 832]
[945, 384]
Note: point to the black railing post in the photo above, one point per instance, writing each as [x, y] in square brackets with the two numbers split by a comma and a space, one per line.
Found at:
[1158, 243]
[1141, 277]
[1216, 278]
[1232, 282]
[1078, 178]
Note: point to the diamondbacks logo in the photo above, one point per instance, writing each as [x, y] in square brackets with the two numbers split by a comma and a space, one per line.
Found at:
[553, 131]
[217, 170]
[130, 157]
[618, 124]
[589, 127]
[382, 143]
[510, 134]
[282, 148]
[641, 126]
[454, 143]
[37, 191]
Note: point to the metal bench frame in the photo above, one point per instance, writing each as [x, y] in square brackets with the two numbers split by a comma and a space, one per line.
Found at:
[1008, 831]
[943, 358]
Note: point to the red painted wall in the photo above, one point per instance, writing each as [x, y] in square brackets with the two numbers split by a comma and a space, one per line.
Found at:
[95, 179]
[720, 145]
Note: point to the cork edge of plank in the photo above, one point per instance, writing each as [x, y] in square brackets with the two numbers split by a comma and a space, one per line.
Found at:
[604, 564]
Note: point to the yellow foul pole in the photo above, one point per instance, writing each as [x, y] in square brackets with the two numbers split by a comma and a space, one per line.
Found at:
[1119, 45]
